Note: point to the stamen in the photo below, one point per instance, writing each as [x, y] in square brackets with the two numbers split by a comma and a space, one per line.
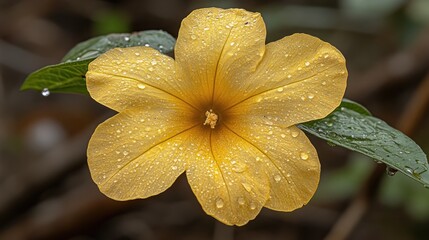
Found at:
[211, 118]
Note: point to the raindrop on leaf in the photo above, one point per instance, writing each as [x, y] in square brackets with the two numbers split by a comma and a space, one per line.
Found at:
[45, 92]
[390, 171]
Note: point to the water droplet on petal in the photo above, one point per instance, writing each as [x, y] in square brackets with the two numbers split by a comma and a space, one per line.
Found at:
[310, 96]
[174, 167]
[45, 92]
[238, 168]
[277, 178]
[127, 39]
[147, 45]
[125, 153]
[280, 89]
[219, 203]
[283, 135]
[193, 37]
[141, 86]
[153, 62]
[307, 64]
[241, 201]
[252, 206]
[247, 187]
[294, 133]
[304, 156]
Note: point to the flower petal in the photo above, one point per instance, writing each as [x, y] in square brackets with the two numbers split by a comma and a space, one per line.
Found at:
[303, 77]
[291, 161]
[137, 154]
[228, 181]
[217, 46]
[132, 77]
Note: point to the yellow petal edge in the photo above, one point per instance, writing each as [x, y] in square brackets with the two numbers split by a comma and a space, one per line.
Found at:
[223, 111]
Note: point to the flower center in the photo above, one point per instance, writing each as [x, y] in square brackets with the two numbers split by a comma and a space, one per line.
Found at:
[211, 118]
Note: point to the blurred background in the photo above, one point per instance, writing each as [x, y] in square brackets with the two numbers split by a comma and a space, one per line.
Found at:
[45, 188]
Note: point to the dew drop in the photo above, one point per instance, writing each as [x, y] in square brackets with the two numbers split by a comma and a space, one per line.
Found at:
[310, 96]
[127, 39]
[241, 201]
[238, 167]
[252, 206]
[304, 156]
[294, 134]
[277, 178]
[206, 28]
[280, 89]
[219, 203]
[289, 76]
[125, 153]
[307, 64]
[153, 62]
[160, 48]
[174, 167]
[247, 187]
[390, 171]
[283, 135]
[137, 54]
[45, 92]
[193, 37]
[326, 56]
[323, 83]
[141, 86]
[409, 170]
[147, 45]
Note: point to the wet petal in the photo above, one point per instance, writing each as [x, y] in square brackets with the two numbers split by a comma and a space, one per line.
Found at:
[132, 77]
[214, 48]
[227, 178]
[300, 79]
[290, 161]
[137, 154]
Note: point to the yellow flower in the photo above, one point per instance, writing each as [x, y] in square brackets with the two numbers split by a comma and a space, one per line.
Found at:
[223, 111]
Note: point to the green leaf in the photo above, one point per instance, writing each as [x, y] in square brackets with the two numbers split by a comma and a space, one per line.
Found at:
[351, 126]
[93, 47]
[63, 77]
[69, 75]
